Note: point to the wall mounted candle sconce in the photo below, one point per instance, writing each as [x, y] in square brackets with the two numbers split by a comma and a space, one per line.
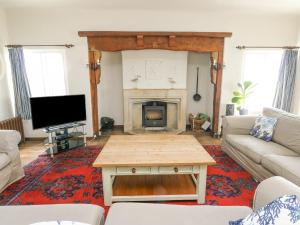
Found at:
[96, 62]
[95, 66]
[215, 65]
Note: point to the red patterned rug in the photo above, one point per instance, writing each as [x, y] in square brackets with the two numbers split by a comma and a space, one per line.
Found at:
[70, 178]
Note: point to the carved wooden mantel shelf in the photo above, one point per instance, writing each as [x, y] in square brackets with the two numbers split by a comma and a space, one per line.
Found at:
[177, 41]
[98, 41]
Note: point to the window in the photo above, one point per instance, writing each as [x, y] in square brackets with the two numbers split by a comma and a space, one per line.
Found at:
[46, 72]
[262, 68]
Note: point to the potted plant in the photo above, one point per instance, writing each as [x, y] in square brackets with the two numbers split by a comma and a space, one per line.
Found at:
[197, 120]
[241, 95]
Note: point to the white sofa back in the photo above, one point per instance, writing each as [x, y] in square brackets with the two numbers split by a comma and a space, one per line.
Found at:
[287, 130]
[265, 191]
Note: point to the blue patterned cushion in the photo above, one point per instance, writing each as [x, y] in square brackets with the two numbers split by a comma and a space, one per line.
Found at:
[282, 211]
[264, 128]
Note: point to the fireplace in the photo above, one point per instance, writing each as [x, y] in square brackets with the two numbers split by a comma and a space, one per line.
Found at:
[174, 110]
[154, 114]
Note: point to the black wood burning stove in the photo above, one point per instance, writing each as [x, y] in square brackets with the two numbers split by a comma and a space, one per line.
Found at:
[154, 114]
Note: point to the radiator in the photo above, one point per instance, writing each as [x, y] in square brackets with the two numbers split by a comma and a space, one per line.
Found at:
[13, 124]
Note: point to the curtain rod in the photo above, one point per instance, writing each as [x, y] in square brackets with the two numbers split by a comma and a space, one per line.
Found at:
[241, 47]
[18, 46]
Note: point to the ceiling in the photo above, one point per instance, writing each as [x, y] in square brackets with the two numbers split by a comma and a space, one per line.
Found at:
[241, 6]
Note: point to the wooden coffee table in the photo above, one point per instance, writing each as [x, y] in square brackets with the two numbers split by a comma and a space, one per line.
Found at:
[157, 154]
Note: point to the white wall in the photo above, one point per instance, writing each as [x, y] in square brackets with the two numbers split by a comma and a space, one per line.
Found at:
[296, 99]
[57, 26]
[5, 104]
[111, 87]
[205, 87]
[154, 69]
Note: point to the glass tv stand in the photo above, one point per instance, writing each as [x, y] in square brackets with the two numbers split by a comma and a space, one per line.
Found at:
[65, 137]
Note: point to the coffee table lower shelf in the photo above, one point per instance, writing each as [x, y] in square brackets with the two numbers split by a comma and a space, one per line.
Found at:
[154, 187]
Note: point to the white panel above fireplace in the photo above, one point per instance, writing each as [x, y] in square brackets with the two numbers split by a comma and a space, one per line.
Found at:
[154, 69]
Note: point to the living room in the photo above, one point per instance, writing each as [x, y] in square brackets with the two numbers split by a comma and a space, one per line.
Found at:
[193, 105]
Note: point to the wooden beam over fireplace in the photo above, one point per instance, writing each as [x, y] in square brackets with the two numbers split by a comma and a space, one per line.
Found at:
[138, 40]
[150, 33]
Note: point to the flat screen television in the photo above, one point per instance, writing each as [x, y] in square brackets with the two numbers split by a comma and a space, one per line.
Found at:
[57, 110]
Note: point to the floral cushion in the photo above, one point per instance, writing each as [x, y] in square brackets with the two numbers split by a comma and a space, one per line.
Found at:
[264, 128]
[282, 211]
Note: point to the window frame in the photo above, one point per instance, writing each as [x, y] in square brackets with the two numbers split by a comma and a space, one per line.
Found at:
[243, 68]
[49, 50]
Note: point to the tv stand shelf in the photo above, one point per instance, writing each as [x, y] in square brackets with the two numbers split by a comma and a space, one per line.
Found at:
[61, 139]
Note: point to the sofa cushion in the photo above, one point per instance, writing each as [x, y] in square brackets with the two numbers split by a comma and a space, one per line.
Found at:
[282, 210]
[151, 214]
[285, 166]
[287, 130]
[255, 148]
[4, 160]
[28, 214]
[264, 128]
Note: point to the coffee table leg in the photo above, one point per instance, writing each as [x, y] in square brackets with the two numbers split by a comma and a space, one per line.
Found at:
[201, 184]
[107, 186]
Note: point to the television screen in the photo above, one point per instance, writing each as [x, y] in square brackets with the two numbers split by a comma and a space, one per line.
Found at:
[57, 110]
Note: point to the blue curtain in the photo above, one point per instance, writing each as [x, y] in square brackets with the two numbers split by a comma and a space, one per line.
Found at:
[20, 83]
[286, 81]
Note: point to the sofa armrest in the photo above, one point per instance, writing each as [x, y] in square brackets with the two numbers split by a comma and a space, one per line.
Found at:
[272, 188]
[9, 140]
[237, 124]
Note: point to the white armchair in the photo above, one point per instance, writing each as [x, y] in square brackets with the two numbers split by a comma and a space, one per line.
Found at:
[10, 163]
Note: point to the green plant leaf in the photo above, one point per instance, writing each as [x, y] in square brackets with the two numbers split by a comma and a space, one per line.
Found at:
[237, 93]
[236, 100]
[247, 84]
[240, 96]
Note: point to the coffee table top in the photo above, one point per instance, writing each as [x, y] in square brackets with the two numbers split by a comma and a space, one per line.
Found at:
[153, 150]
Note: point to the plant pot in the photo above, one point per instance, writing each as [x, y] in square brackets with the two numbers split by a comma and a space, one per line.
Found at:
[196, 123]
[243, 111]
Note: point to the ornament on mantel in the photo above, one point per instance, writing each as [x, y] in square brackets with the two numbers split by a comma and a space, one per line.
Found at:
[136, 80]
[172, 82]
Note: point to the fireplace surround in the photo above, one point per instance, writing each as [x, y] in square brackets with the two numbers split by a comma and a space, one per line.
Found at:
[175, 109]
[98, 41]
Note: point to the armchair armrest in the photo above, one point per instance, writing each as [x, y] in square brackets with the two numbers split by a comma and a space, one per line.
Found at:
[237, 124]
[9, 140]
[272, 188]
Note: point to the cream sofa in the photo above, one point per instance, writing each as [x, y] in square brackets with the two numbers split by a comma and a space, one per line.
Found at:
[162, 214]
[262, 159]
[29, 214]
[147, 213]
[10, 162]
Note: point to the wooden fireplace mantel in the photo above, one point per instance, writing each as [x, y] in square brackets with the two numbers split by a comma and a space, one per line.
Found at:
[98, 41]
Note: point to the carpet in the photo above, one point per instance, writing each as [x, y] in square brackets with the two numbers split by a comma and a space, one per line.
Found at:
[70, 178]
